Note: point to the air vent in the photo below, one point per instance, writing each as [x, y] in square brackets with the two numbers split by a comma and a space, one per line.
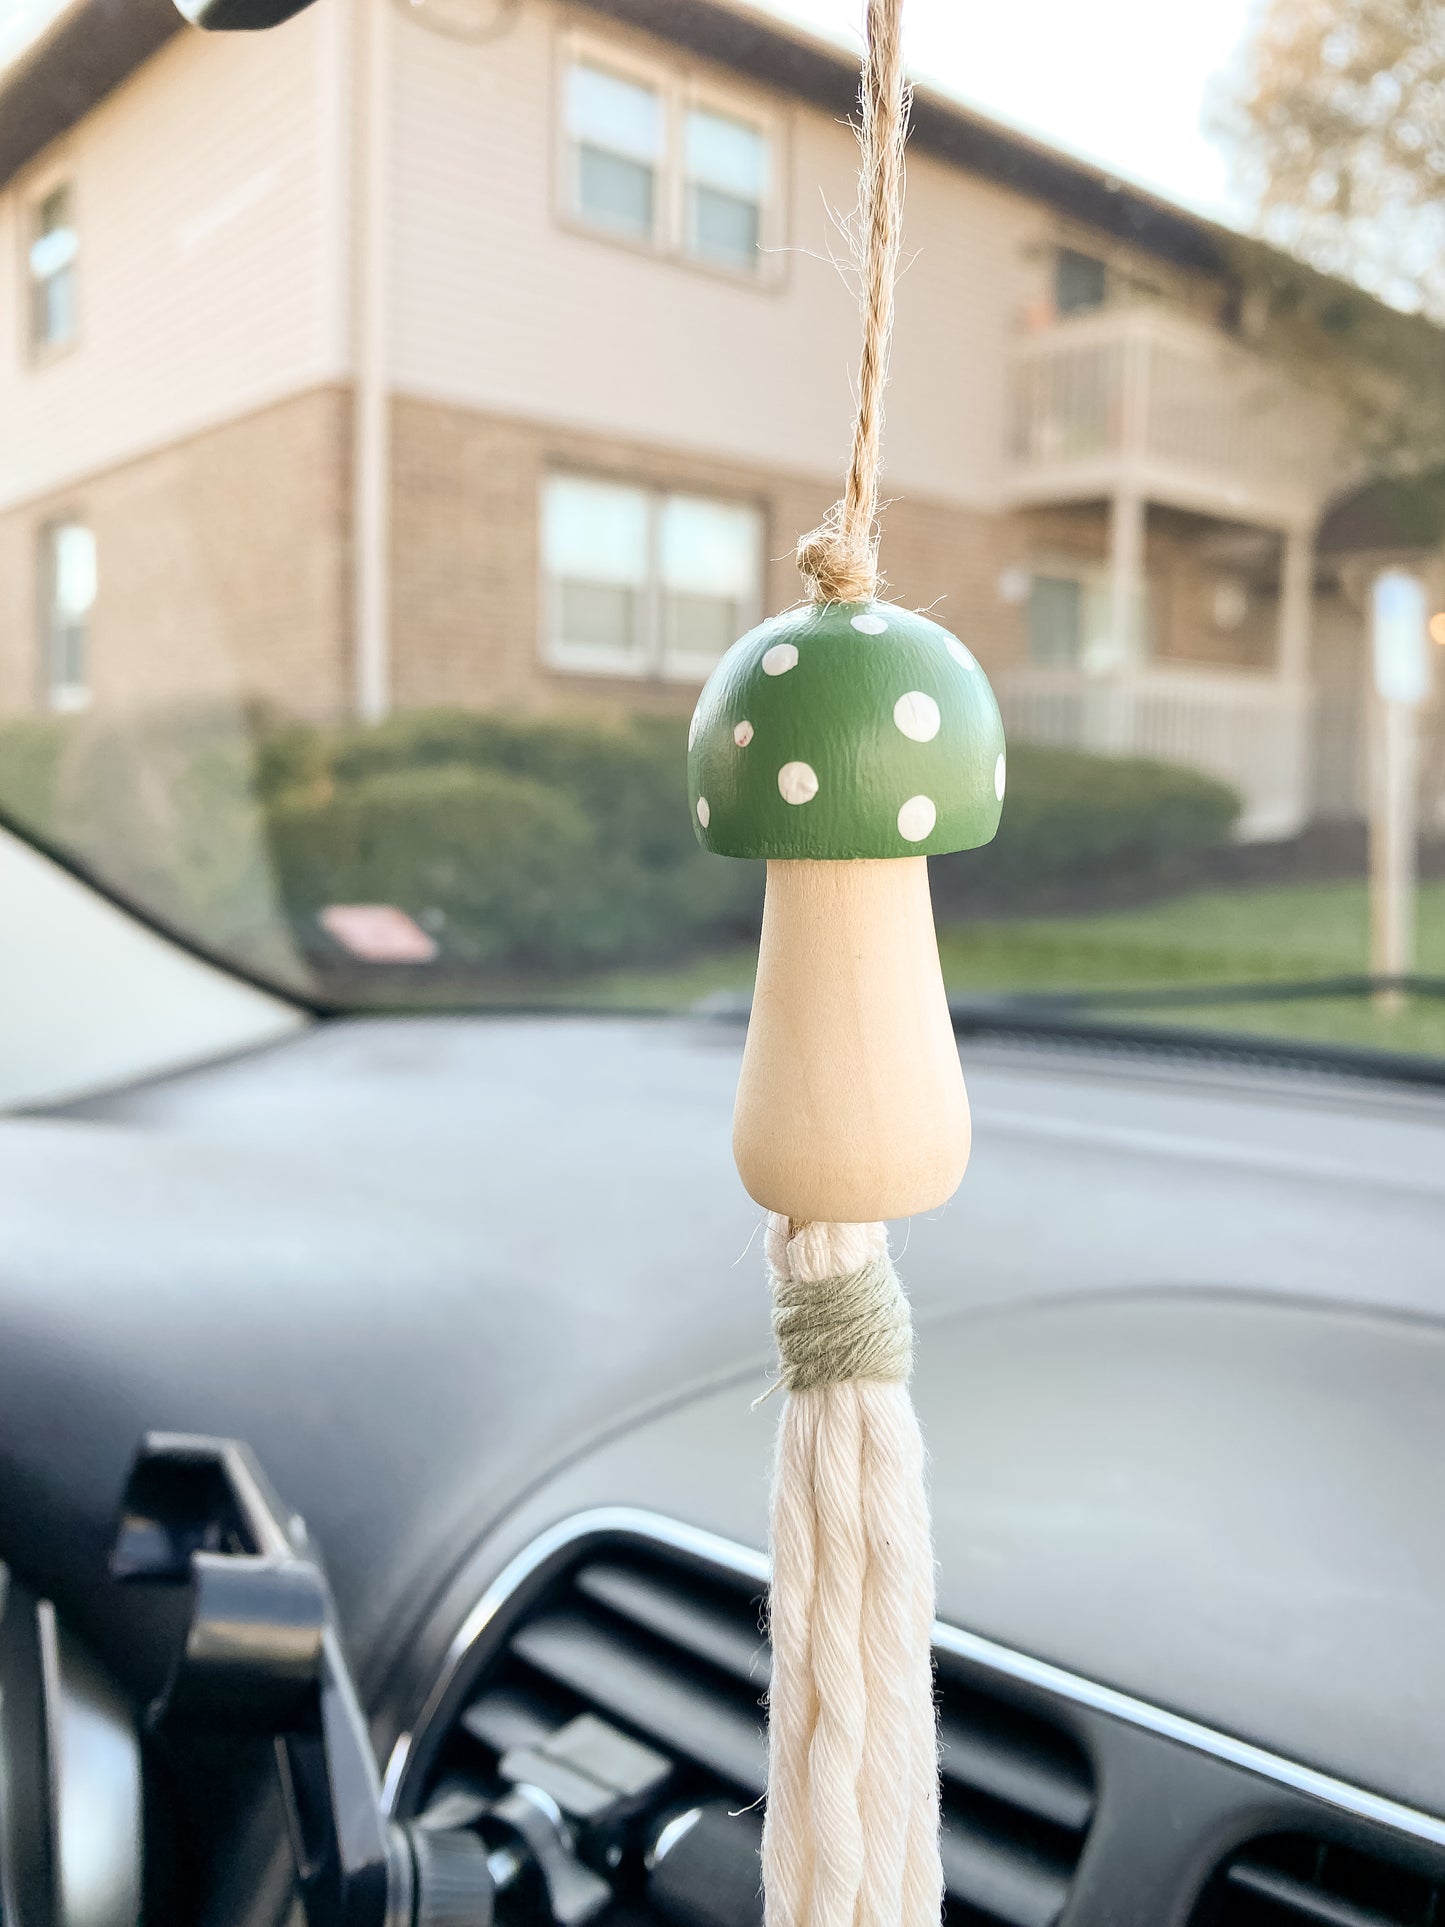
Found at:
[671, 1655]
[1295, 1880]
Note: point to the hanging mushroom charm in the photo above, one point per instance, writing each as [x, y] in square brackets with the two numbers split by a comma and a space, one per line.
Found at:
[847, 743]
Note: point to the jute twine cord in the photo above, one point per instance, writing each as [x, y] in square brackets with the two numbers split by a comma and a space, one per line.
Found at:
[839, 559]
[850, 1836]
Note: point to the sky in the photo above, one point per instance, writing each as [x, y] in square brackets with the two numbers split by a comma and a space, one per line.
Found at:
[1120, 82]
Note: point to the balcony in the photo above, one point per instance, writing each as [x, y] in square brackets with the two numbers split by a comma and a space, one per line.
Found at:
[1153, 405]
[1249, 729]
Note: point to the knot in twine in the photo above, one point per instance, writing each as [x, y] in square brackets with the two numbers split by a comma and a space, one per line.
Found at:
[835, 565]
[832, 1329]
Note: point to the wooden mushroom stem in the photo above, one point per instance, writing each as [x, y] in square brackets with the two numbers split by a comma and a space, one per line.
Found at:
[850, 1106]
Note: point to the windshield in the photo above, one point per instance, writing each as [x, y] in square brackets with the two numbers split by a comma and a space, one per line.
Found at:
[402, 411]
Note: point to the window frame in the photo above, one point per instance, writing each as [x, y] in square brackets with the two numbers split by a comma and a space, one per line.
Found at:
[60, 697]
[1094, 584]
[650, 660]
[633, 664]
[579, 50]
[705, 97]
[681, 90]
[36, 349]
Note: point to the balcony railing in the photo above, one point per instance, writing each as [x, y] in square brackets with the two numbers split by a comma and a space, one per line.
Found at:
[1250, 730]
[1150, 401]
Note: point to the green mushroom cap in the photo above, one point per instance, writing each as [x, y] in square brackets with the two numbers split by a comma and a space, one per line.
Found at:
[846, 730]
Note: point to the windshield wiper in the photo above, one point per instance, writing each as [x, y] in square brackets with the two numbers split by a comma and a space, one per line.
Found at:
[1187, 996]
[1085, 1017]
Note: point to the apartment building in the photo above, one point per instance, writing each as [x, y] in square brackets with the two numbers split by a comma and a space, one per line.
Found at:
[498, 356]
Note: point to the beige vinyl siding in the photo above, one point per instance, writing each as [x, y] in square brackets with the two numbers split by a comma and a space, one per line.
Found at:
[500, 305]
[207, 193]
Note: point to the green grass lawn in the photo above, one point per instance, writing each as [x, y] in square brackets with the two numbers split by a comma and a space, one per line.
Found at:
[1212, 937]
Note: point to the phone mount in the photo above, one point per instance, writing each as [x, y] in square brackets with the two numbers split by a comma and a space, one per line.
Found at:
[262, 1657]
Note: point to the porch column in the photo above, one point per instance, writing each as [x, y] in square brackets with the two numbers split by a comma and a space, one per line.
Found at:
[1109, 699]
[1296, 607]
[1294, 756]
[1126, 579]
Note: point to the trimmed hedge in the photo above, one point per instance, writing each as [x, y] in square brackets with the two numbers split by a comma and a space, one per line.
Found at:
[1072, 819]
[521, 843]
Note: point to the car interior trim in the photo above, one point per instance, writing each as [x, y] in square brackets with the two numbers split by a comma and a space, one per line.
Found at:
[710, 1548]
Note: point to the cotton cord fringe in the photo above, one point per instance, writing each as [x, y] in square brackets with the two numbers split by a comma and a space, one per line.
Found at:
[850, 1837]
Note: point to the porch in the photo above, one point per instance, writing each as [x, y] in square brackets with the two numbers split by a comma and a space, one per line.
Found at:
[1251, 730]
[1147, 403]
[1169, 481]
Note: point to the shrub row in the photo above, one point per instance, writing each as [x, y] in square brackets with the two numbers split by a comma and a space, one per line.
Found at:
[522, 843]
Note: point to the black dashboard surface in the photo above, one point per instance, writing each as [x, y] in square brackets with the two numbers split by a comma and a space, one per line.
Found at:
[1178, 1365]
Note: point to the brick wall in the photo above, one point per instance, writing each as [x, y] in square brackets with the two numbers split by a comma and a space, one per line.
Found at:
[223, 568]
[466, 566]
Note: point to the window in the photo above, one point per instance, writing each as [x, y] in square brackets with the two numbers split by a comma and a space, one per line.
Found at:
[53, 248]
[67, 597]
[709, 570]
[648, 160]
[1056, 621]
[642, 583]
[1081, 282]
[1071, 621]
[596, 545]
[615, 130]
[726, 164]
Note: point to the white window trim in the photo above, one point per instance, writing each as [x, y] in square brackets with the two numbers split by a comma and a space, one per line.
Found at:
[32, 193]
[579, 48]
[680, 90]
[648, 660]
[706, 95]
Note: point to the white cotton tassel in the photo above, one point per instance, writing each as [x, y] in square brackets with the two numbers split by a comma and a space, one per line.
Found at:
[850, 1837]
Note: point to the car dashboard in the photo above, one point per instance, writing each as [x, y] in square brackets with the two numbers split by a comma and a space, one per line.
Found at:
[484, 1299]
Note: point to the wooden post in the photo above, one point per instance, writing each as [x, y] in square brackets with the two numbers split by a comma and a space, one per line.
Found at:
[1394, 830]
[1126, 579]
[1296, 606]
[1399, 612]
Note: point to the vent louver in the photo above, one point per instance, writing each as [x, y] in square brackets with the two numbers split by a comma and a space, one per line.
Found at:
[1296, 1880]
[672, 1655]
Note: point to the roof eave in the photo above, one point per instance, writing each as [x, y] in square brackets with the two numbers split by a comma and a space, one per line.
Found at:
[79, 58]
[94, 45]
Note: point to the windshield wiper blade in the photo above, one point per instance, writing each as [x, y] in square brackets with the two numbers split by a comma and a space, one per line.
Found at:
[1187, 996]
[1022, 1019]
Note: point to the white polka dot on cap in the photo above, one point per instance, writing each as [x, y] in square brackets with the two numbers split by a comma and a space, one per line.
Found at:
[797, 783]
[704, 814]
[960, 654]
[782, 657]
[917, 818]
[869, 625]
[743, 734]
[917, 716]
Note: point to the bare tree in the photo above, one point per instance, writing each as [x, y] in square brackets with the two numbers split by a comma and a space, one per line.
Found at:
[1336, 115]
